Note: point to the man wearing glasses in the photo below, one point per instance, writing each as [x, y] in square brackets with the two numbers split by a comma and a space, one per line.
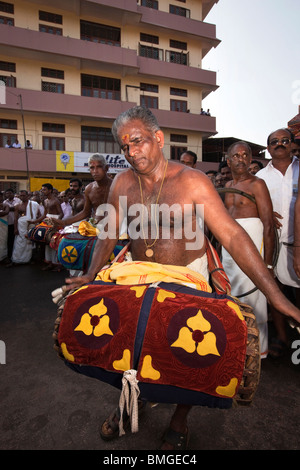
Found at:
[281, 176]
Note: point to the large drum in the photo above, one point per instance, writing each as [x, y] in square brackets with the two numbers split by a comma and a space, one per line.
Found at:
[187, 346]
[41, 233]
[75, 251]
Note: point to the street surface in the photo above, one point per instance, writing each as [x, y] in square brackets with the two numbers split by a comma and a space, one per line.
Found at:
[45, 406]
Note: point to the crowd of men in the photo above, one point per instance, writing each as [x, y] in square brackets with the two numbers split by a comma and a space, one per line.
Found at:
[273, 205]
[26, 209]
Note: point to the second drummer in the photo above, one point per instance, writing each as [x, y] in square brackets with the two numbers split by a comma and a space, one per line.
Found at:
[257, 219]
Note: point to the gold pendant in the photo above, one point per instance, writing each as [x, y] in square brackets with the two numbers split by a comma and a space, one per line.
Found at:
[149, 253]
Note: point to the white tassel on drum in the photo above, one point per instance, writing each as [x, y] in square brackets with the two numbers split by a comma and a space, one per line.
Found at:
[58, 294]
[129, 398]
[293, 325]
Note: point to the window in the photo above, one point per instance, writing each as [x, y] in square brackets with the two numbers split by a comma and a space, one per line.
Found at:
[177, 57]
[149, 87]
[7, 66]
[149, 38]
[8, 123]
[100, 33]
[50, 17]
[6, 20]
[149, 101]
[100, 87]
[178, 91]
[181, 138]
[175, 152]
[7, 139]
[179, 11]
[53, 143]
[52, 73]
[150, 52]
[150, 4]
[9, 81]
[178, 44]
[53, 127]
[53, 87]
[177, 105]
[43, 28]
[7, 7]
[98, 139]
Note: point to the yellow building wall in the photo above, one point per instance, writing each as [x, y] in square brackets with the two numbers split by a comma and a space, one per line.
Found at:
[27, 16]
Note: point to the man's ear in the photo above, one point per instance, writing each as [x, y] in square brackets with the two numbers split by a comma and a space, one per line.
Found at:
[228, 162]
[159, 135]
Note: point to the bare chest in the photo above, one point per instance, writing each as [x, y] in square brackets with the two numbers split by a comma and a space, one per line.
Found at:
[98, 195]
[240, 201]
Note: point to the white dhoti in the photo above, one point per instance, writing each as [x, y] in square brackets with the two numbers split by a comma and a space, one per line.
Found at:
[22, 251]
[241, 284]
[284, 269]
[3, 237]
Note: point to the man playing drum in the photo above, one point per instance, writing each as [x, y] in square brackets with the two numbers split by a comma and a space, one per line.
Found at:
[52, 210]
[152, 180]
[95, 193]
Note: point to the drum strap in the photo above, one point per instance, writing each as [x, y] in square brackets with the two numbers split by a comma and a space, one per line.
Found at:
[219, 278]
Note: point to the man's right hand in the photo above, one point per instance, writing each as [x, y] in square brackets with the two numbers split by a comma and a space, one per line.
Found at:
[71, 283]
[76, 282]
[276, 218]
[57, 222]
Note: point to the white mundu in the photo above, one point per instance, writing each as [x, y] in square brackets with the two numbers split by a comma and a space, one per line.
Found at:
[241, 284]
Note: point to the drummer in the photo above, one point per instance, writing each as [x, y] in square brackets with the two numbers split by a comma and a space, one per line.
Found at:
[256, 217]
[95, 193]
[52, 211]
[155, 180]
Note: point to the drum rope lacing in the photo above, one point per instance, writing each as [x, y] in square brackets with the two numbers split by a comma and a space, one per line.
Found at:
[129, 399]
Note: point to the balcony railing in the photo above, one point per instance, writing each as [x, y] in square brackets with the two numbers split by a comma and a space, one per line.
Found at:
[174, 57]
[151, 52]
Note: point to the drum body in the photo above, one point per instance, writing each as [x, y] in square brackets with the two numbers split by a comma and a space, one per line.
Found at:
[75, 251]
[187, 346]
[41, 233]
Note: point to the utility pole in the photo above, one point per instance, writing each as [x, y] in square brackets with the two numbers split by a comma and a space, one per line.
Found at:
[25, 147]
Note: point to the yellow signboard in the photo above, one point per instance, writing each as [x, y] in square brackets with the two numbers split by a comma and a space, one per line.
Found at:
[65, 161]
[37, 183]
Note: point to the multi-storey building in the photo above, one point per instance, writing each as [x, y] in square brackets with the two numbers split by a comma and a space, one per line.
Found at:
[71, 67]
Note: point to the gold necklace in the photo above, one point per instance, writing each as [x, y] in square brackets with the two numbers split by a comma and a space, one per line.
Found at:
[149, 252]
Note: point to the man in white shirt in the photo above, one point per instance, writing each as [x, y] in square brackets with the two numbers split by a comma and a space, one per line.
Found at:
[281, 176]
[16, 145]
[11, 201]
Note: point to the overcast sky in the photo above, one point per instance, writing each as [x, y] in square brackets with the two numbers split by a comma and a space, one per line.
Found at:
[257, 65]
